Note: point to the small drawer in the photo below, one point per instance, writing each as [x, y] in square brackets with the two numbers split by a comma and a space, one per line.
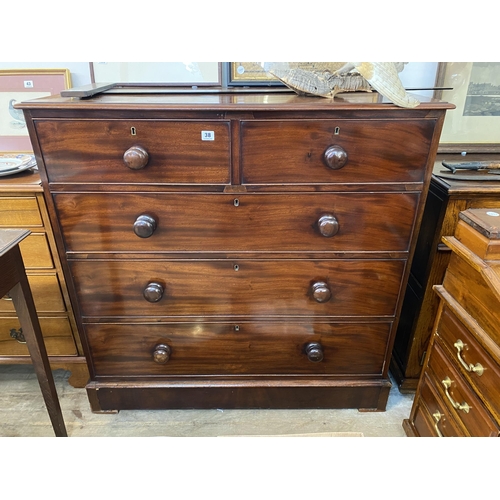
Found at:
[461, 400]
[231, 223]
[238, 348]
[19, 212]
[243, 287]
[431, 417]
[36, 252]
[46, 294]
[57, 336]
[140, 151]
[314, 151]
[476, 365]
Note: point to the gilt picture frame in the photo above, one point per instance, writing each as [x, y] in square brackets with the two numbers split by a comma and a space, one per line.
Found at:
[18, 85]
[474, 126]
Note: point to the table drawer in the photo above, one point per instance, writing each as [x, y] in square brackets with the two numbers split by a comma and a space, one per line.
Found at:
[46, 294]
[463, 403]
[242, 287]
[36, 252]
[432, 418]
[57, 335]
[378, 151]
[244, 222]
[93, 151]
[451, 331]
[242, 348]
[19, 212]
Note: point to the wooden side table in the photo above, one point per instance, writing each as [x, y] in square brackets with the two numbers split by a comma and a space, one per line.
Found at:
[15, 282]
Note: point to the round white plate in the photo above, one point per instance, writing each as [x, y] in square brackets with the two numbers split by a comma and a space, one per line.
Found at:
[15, 164]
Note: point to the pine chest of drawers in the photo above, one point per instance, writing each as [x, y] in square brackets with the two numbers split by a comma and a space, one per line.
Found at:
[458, 391]
[235, 250]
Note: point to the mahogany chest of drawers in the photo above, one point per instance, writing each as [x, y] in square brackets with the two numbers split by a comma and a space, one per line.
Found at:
[235, 250]
[458, 392]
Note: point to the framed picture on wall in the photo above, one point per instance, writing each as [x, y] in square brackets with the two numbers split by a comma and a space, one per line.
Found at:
[178, 74]
[21, 85]
[474, 126]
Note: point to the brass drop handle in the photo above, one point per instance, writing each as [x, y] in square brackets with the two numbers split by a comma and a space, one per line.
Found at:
[328, 225]
[321, 292]
[18, 335]
[437, 417]
[136, 157]
[161, 354]
[458, 406]
[335, 157]
[144, 226]
[7, 296]
[153, 292]
[314, 351]
[477, 368]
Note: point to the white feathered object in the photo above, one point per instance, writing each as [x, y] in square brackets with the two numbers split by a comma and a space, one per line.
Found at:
[381, 76]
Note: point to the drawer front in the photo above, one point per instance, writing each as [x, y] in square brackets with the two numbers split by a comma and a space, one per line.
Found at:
[451, 331]
[241, 287]
[46, 294]
[56, 332]
[432, 418]
[378, 151]
[93, 151]
[246, 222]
[243, 348]
[463, 403]
[19, 212]
[36, 252]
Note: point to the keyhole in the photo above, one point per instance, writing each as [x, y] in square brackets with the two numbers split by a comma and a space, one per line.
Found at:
[133, 131]
[236, 202]
[337, 130]
[236, 267]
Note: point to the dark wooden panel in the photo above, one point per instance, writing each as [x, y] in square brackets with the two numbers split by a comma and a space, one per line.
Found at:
[377, 150]
[257, 287]
[242, 348]
[92, 151]
[231, 394]
[237, 222]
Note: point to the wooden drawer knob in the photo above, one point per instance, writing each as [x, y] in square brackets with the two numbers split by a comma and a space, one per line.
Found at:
[153, 292]
[136, 157]
[321, 292]
[314, 351]
[162, 353]
[335, 157]
[328, 225]
[144, 226]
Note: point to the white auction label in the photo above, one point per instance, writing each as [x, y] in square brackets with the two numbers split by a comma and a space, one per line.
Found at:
[207, 135]
[493, 214]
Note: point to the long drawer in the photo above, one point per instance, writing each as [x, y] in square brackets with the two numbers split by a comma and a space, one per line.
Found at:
[242, 287]
[57, 335]
[243, 348]
[378, 151]
[46, 294]
[93, 151]
[464, 349]
[243, 222]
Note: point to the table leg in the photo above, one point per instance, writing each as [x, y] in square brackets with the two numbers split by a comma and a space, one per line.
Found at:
[25, 308]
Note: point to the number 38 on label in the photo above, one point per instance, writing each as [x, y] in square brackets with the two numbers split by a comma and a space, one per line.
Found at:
[207, 135]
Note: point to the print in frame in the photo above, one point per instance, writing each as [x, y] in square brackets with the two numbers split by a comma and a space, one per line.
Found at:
[474, 126]
[18, 85]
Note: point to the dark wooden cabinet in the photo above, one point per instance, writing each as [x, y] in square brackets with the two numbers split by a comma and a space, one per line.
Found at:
[261, 268]
[446, 199]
